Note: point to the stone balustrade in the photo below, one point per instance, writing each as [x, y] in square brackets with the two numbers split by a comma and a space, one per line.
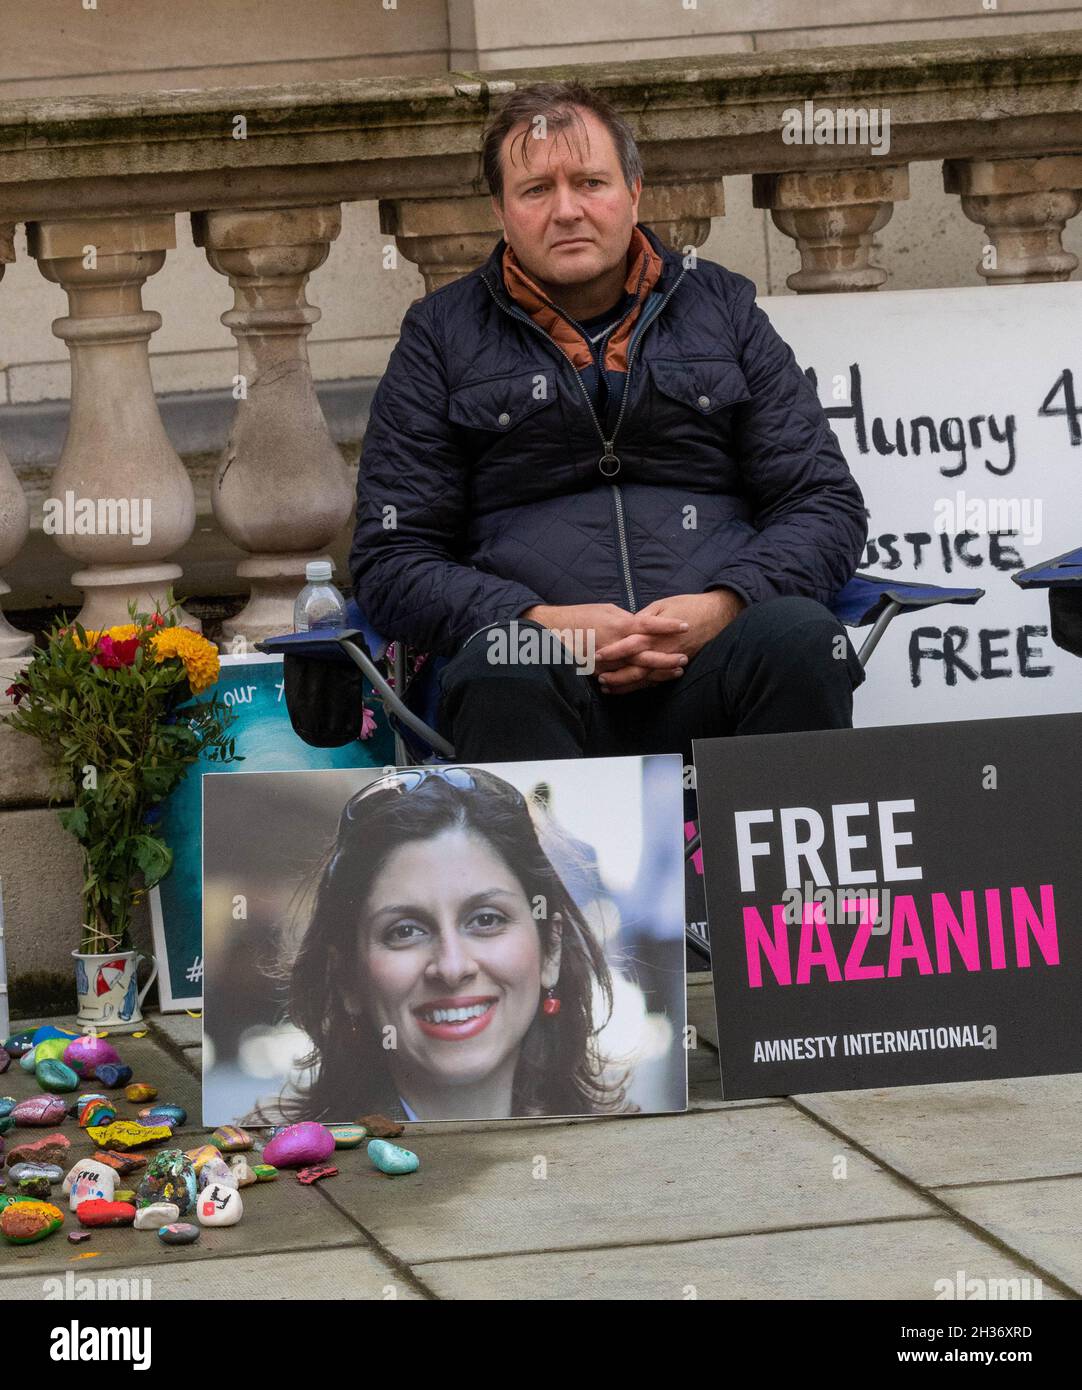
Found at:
[263, 172]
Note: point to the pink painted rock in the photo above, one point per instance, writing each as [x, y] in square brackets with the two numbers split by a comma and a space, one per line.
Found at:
[95, 1213]
[40, 1110]
[84, 1054]
[54, 1148]
[299, 1145]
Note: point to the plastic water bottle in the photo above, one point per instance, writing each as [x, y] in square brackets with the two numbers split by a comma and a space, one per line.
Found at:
[319, 604]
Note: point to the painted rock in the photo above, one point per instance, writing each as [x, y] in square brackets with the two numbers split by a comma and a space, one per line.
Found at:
[85, 1054]
[124, 1194]
[77, 1237]
[139, 1090]
[51, 1050]
[5, 1060]
[19, 1043]
[380, 1127]
[6, 1123]
[121, 1164]
[96, 1114]
[96, 1213]
[21, 1223]
[124, 1134]
[231, 1140]
[28, 1061]
[7, 1105]
[389, 1158]
[216, 1170]
[39, 1111]
[241, 1171]
[113, 1074]
[348, 1136]
[89, 1181]
[300, 1145]
[173, 1115]
[264, 1172]
[170, 1177]
[51, 1172]
[158, 1214]
[47, 1032]
[219, 1206]
[54, 1148]
[33, 1187]
[203, 1154]
[178, 1233]
[53, 1075]
[321, 1170]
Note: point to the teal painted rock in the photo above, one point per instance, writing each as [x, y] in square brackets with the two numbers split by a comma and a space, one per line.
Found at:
[389, 1158]
[7, 1105]
[348, 1136]
[53, 1075]
[6, 1123]
[173, 1115]
[28, 1061]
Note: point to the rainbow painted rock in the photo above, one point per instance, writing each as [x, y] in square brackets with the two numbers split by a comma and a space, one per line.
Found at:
[96, 1114]
[122, 1164]
[113, 1074]
[173, 1115]
[298, 1146]
[125, 1134]
[87, 1053]
[54, 1148]
[22, 1223]
[348, 1136]
[139, 1091]
[89, 1181]
[178, 1233]
[39, 1111]
[52, 1075]
[231, 1140]
[96, 1213]
[389, 1158]
[170, 1177]
[219, 1206]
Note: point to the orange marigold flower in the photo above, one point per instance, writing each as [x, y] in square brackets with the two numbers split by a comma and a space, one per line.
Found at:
[200, 657]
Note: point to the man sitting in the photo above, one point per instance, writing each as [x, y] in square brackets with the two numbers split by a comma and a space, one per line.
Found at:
[596, 435]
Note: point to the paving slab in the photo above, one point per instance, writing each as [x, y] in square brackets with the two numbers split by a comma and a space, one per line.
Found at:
[626, 1181]
[344, 1273]
[701, 1015]
[968, 1132]
[184, 1030]
[885, 1260]
[1041, 1220]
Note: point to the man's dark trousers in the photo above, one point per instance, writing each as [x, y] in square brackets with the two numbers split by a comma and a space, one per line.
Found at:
[782, 666]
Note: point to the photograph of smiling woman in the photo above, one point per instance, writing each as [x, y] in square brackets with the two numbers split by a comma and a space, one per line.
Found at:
[446, 971]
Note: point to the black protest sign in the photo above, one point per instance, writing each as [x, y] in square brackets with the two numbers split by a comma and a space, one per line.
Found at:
[894, 906]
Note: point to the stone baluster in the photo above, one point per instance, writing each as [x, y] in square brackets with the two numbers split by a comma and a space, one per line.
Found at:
[122, 497]
[679, 214]
[833, 216]
[1023, 206]
[14, 510]
[282, 490]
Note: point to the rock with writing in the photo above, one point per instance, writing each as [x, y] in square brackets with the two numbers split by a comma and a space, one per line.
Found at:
[89, 1181]
[219, 1206]
[158, 1214]
[39, 1111]
[389, 1158]
[125, 1134]
[22, 1223]
[299, 1146]
[96, 1213]
[54, 1148]
[170, 1177]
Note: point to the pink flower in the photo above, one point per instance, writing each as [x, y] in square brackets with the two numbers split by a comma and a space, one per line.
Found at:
[368, 723]
[111, 653]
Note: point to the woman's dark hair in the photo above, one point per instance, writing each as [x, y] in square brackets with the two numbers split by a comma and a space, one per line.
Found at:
[559, 1070]
[561, 105]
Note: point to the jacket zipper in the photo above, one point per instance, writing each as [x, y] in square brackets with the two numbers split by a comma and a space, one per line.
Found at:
[608, 456]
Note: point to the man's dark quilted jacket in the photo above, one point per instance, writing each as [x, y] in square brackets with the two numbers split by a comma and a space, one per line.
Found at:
[481, 490]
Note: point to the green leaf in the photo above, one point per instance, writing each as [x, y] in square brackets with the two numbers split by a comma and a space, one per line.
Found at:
[74, 821]
[153, 857]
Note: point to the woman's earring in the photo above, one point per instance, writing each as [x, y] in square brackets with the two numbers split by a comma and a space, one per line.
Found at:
[550, 1005]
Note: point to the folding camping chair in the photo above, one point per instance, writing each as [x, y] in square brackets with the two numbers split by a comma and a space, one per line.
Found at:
[360, 651]
[1062, 577]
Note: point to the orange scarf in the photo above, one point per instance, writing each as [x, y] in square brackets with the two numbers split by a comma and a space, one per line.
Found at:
[643, 261]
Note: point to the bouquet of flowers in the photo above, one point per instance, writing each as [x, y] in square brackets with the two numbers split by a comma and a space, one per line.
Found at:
[107, 708]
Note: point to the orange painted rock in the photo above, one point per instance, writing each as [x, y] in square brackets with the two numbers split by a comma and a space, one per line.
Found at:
[53, 1148]
[21, 1223]
[99, 1213]
[122, 1163]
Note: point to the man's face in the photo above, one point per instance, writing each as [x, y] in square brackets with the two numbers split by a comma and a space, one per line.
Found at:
[566, 213]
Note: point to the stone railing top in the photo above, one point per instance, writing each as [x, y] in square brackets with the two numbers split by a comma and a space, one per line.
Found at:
[374, 137]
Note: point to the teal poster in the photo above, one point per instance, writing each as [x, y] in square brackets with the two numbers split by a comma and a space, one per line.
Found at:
[252, 687]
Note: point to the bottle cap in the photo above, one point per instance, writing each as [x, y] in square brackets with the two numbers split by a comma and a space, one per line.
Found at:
[315, 570]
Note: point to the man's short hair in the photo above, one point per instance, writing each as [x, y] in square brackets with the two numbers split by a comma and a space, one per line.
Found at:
[561, 105]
